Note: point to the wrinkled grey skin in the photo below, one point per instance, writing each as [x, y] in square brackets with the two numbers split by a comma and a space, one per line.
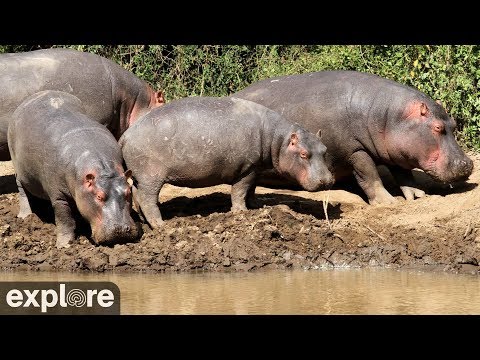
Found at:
[110, 94]
[206, 141]
[365, 121]
[61, 155]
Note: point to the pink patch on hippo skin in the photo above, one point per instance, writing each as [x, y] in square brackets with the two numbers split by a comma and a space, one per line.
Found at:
[416, 110]
[119, 169]
[433, 158]
[133, 116]
[156, 99]
[97, 222]
[302, 176]
[97, 212]
[99, 216]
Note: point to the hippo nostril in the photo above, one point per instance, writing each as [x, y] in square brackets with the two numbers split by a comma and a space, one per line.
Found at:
[126, 228]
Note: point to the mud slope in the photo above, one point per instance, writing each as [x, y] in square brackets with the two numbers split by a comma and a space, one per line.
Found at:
[439, 232]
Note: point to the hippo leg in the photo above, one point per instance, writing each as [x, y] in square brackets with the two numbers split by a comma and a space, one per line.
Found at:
[405, 180]
[25, 208]
[240, 190]
[369, 180]
[65, 223]
[146, 199]
[137, 205]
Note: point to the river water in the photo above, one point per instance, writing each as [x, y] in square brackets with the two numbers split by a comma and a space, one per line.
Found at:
[349, 291]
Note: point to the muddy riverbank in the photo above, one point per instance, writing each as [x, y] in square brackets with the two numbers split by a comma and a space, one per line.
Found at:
[438, 232]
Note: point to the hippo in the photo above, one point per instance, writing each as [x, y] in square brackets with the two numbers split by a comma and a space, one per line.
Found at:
[365, 121]
[111, 95]
[207, 141]
[61, 155]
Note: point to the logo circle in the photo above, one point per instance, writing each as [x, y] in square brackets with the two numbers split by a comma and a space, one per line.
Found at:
[76, 297]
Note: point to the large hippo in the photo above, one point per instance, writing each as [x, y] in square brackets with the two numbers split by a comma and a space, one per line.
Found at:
[366, 121]
[110, 94]
[61, 155]
[206, 141]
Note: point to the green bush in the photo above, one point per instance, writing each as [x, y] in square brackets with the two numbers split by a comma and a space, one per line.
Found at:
[445, 72]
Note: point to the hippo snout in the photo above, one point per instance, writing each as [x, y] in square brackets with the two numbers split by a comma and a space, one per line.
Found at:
[116, 233]
[464, 168]
[320, 183]
[456, 170]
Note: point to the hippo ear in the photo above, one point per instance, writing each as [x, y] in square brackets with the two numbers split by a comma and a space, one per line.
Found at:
[319, 133]
[89, 179]
[423, 109]
[442, 105]
[293, 138]
[159, 98]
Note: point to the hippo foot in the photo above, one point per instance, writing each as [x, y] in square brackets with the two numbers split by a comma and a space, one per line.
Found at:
[156, 224]
[238, 208]
[411, 193]
[63, 241]
[384, 199]
[23, 214]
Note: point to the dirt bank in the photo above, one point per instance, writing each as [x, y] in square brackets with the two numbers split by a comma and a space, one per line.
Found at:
[439, 232]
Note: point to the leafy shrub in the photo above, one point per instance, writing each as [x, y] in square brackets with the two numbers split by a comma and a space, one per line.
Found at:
[445, 72]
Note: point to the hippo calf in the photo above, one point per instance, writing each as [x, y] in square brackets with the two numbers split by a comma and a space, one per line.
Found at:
[61, 155]
[111, 95]
[366, 121]
[206, 141]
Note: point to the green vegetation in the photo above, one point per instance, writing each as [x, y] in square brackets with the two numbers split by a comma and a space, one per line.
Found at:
[448, 73]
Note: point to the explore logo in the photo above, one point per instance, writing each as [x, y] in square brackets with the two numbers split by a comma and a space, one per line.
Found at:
[59, 298]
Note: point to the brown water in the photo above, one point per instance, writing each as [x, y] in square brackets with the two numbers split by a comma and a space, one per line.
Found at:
[349, 291]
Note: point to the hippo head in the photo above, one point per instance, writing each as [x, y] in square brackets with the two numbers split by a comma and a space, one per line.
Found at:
[302, 159]
[131, 108]
[104, 200]
[145, 102]
[423, 138]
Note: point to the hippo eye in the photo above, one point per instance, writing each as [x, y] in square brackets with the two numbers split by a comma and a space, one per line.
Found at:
[101, 196]
[439, 127]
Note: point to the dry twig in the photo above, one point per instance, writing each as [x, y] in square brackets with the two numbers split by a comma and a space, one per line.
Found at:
[380, 236]
[325, 206]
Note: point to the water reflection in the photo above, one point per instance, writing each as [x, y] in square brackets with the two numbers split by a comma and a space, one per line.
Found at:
[349, 291]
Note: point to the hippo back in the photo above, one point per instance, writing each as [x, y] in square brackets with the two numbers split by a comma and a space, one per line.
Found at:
[106, 89]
